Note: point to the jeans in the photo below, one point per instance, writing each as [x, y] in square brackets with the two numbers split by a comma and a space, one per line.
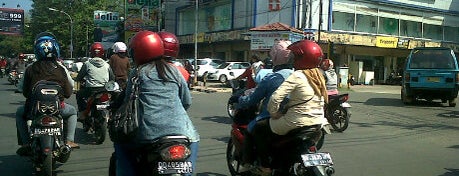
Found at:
[126, 156]
[69, 114]
[262, 138]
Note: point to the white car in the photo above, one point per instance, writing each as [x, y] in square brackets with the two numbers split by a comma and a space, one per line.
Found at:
[228, 71]
[206, 65]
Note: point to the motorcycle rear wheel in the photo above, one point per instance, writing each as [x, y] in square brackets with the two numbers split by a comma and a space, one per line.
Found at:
[234, 163]
[231, 109]
[339, 119]
[101, 130]
[46, 168]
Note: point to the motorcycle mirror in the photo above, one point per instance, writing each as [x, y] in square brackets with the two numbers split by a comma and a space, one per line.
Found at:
[111, 86]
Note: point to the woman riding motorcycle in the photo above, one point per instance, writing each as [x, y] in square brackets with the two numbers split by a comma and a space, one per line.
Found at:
[46, 67]
[164, 98]
[303, 92]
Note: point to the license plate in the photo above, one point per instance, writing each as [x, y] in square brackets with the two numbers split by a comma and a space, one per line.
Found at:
[100, 107]
[433, 79]
[317, 159]
[175, 167]
[47, 131]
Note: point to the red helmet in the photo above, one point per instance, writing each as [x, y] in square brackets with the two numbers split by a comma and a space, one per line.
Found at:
[97, 50]
[308, 54]
[326, 64]
[171, 44]
[145, 46]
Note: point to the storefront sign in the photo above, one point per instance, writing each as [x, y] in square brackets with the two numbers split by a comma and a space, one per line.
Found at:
[403, 43]
[265, 40]
[386, 42]
[11, 21]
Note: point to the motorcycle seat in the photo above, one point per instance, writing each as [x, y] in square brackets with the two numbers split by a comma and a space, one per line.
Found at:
[300, 134]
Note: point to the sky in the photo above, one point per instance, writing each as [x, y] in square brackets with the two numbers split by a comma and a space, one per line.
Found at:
[25, 4]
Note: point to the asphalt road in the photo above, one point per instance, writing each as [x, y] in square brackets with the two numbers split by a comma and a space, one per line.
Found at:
[385, 137]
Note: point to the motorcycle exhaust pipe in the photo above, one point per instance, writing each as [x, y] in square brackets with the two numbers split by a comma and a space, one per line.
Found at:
[65, 149]
[330, 170]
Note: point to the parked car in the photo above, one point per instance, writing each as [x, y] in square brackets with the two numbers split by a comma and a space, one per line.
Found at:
[206, 65]
[228, 71]
[431, 73]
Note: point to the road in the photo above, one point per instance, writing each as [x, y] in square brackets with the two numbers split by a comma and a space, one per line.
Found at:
[385, 137]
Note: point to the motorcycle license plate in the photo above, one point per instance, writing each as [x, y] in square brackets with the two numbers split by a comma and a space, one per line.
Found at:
[317, 159]
[100, 107]
[175, 167]
[47, 131]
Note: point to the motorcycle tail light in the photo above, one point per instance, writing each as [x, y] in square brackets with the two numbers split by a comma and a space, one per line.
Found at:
[457, 77]
[104, 97]
[407, 76]
[48, 121]
[312, 149]
[175, 153]
[344, 98]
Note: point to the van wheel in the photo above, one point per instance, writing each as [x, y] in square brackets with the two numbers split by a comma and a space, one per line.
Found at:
[452, 102]
[406, 99]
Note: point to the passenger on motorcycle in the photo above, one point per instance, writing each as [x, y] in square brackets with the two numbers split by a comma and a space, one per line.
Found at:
[282, 68]
[331, 78]
[306, 93]
[46, 50]
[3, 66]
[171, 49]
[119, 63]
[164, 98]
[95, 73]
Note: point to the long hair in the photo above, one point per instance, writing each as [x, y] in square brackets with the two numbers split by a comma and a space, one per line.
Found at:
[317, 82]
[164, 70]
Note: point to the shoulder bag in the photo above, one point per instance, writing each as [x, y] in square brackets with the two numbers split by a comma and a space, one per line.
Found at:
[123, 124]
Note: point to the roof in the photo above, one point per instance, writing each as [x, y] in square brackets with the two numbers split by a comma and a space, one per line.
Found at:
[276, 27]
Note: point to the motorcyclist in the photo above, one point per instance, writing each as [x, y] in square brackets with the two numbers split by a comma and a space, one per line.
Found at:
[3, 66]
[95, 73]
[282, 68]
[303, 92]
[119, 63]
[171, 49]
[47, 51]
[164, 102]
[331, 78]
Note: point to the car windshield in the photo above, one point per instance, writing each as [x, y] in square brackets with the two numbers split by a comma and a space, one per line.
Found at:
[222, 66]
[432, 59]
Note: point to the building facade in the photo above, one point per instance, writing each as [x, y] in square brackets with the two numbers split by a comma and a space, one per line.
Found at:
[370, 37]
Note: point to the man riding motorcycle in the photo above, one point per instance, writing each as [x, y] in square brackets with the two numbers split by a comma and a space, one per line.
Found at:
[95, 73]
[331, 78]
[282, 68]
[47, 51]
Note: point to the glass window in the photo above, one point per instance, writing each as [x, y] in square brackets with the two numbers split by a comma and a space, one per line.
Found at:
[366, 23]
[452, 34]
[343, 21]
[410, 28]
[433, 32]
[432, 59]
[388, 26]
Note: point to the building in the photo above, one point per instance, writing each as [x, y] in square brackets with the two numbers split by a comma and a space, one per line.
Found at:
[371, 37]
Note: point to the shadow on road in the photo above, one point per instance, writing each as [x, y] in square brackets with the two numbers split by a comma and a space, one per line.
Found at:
[209, 174]
[15, 165]
[10, 115]
[452, 114]
[451, 172]
[219, 119]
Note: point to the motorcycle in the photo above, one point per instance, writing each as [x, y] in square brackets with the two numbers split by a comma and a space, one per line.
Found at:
[12, 76]
[337, 112]
[45, 127]
[295, 153]
[238, 88]
[164, 156]
[3, 72]
[98, 112]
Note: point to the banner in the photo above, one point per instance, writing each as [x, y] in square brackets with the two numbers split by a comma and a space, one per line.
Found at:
[11, 21]
[108, 26]
[142, 15]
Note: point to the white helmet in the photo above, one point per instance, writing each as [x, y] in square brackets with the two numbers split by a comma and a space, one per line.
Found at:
[119, 47]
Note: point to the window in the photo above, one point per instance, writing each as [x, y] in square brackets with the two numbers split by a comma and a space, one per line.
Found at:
[388, 26]
[410, 29]
[366, 23]
[433, 32]
[452, 34]
[343, 21]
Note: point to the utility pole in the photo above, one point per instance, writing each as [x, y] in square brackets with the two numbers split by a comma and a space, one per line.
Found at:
[320, 20]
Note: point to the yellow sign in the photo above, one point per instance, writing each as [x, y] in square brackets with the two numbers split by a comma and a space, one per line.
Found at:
[386, 42]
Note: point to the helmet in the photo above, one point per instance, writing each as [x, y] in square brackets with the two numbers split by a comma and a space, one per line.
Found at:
[46, 46]
[308, 54]
[326, 64]
[171, 44]
[119, 47]
[279, 52]
[145, 46]
[97, 50]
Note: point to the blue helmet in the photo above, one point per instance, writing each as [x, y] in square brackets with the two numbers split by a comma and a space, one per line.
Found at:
[46, 46]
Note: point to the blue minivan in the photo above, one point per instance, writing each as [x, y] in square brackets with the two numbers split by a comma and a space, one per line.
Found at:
[430, 73]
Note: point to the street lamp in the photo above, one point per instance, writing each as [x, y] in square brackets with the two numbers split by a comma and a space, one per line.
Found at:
[71, 29]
